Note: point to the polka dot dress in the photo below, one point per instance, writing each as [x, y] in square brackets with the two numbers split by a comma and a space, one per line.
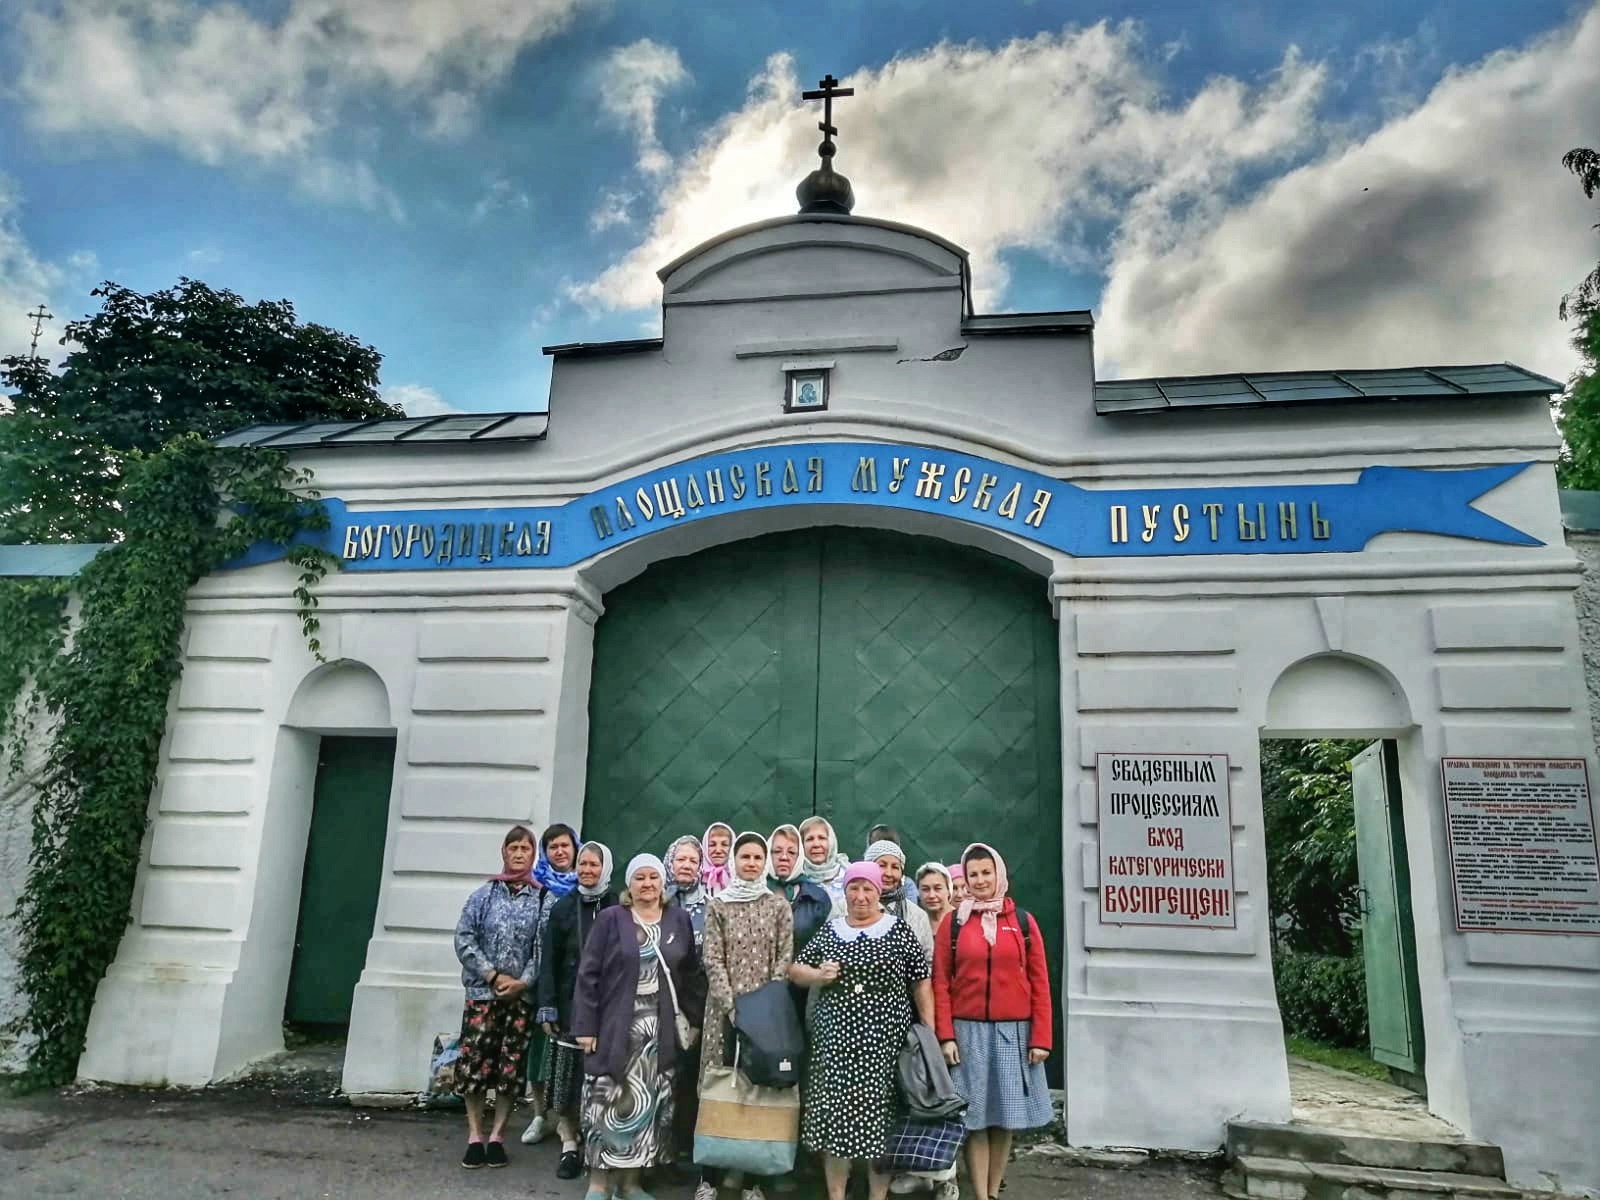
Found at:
[858, 1028]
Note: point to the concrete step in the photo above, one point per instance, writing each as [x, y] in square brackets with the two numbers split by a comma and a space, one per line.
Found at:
[1254, 1178]
[1314, 1144]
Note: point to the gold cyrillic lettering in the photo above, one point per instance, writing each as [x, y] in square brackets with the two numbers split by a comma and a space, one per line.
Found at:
[814, 473]
[464, 538]
[763, 478]
[413, 532]
[624, 514]
[899, 466]
[932, 481]
[364, 543]
[1213, 513]
[1180, 522]
[486, 543]
[602, 522]
[1041, 502]
[426, 544]
[1321, 528]
[447, 542]
[645, 505]
[958, 484]
[1151, 515]
[714, 492]
[1008, 506]
[524, 543]
[866, 477]
[508, 539]
[668, 502]
[1288, 520]
[543, 528]
[691, 493]
[736, 478]
[791, 481]
[1119, 522]
[981, 499]
[1252, 530]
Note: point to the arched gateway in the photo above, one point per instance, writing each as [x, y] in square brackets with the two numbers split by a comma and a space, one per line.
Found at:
[827, 420]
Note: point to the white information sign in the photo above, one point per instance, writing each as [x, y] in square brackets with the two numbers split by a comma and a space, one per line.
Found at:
[1166, 840]
[1522, 845]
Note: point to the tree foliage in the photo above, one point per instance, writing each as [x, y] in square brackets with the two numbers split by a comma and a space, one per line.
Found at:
[1308, 809]
[145, 369]
[1578, 413]
[117, 446]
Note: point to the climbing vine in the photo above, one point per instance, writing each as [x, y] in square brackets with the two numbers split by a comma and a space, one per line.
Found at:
[99, 696]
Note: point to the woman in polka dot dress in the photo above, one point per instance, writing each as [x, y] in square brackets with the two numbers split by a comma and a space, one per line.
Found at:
[870, 969]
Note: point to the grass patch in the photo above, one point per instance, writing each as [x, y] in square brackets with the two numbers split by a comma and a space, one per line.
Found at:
[1337, 1057]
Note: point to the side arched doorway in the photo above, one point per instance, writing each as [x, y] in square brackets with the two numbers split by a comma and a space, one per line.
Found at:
[863, 675]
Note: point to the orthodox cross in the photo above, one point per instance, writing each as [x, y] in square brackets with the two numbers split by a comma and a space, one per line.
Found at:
[828, 89]
[39, 318]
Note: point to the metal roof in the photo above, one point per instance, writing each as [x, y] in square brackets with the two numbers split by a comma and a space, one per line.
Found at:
[393, 431]
[1270, 388]
[603, 349]
[52, 560]
[1070, 321]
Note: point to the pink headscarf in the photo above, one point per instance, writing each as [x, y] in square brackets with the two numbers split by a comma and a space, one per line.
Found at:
[871, 872]
[716, 876]
[957, 871]
[990, 909]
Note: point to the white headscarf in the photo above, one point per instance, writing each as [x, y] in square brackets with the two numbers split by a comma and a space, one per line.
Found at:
[833, 865]
[739, 889]
[800, 855]
[599, 889]
[640, 861]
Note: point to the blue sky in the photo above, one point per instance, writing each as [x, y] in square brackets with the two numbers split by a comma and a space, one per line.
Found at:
[459, 182]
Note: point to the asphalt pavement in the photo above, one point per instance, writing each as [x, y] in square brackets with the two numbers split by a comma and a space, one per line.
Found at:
[263, 1145]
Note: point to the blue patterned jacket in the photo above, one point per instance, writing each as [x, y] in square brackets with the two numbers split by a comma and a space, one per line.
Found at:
[500, 931]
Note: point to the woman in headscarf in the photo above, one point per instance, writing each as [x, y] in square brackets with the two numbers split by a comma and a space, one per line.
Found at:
[685, 888]
[494, 942]
[934, 891]
[823, 864]
[810, 904]
[871, 971]
[891, 861]
[717, 845]
[958, 882]
[554, 878]
[991, 987]
[749, 942]
[639, 971]
[571, 920]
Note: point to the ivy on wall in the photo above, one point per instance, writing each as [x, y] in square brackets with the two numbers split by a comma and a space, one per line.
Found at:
[103, 692]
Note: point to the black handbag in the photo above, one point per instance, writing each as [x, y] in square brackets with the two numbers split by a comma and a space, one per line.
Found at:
[771, 1043]
[927, 1092]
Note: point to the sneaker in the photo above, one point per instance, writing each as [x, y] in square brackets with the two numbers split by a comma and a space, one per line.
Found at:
[904, 1185]
[570, 1166]
[536, 1132]
[495, 1154]
[705, 1191]
[475, 1156]
[752, 1193]
[948, 1190]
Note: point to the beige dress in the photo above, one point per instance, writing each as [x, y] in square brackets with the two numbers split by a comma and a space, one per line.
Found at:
[746, 945]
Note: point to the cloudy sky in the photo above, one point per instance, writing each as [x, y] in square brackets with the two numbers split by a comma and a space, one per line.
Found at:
[1264, 184]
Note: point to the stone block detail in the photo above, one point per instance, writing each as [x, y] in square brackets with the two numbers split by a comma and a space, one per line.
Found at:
[186, 900]
[203, 789]
[1157, 687]
[176, 842]
[1514, 626]
[481, 687]
[499, 638]
[223, 687]
[230, 637]
[1157, 629]
[218, 739]
[470, 741]
[1504, 687]
[466, 792]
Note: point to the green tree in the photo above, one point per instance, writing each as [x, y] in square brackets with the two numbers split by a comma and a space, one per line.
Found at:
[1578, 415]
[1308, 811]
[147, 368]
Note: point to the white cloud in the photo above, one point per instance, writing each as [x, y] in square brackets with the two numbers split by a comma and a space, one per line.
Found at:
[1019, 145]
[26, 281]
[615, 208]
[418, 400]
[632, 80]
[222, 84]
[1446, 236]
[501, 195]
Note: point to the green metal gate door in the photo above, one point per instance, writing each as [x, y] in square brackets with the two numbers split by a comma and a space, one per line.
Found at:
[1388, 940]
[867, 676]
[344, 866]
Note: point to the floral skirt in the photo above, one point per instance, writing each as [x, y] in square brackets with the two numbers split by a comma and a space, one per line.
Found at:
[494, 1038]
[627, 1122]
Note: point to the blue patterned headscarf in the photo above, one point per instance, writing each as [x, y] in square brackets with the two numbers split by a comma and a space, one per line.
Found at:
[557, 883]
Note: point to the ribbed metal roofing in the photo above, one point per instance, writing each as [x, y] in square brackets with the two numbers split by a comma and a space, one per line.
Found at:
[1257, 389]
[393, 431]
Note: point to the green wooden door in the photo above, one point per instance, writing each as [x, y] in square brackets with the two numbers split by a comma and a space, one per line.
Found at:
[344, 866]
[1394, 1010]
[870, 677]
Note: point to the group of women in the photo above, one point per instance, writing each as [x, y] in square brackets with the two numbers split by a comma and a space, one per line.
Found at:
[620, 1004]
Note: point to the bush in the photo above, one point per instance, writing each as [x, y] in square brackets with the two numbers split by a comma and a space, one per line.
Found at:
[1323, 997]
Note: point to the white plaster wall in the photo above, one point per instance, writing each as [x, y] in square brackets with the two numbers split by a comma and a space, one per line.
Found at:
[16, 810]
[1586, 546]
[1168, 1033]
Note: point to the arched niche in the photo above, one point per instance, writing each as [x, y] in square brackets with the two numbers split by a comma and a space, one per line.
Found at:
[1336, 695]
[345, 698]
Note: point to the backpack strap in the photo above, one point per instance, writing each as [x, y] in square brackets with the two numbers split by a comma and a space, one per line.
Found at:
[1024, 923]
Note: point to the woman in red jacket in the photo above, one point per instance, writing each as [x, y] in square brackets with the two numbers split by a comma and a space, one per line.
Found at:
[991, 996]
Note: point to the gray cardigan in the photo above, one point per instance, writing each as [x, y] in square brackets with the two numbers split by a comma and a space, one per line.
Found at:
[608, 981]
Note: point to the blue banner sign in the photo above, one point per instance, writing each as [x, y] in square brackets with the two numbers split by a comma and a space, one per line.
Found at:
[1083, 522]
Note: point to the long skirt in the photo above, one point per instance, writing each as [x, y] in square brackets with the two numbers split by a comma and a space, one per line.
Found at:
[494, 1037]
[627, 1123]
[1003, 1089]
